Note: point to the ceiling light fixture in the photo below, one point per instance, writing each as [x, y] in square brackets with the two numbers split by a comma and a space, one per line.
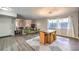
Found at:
[3, 8]
[50, 12]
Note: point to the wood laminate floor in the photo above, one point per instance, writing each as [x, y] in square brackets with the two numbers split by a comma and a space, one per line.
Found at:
[14, 44]
[18, 43]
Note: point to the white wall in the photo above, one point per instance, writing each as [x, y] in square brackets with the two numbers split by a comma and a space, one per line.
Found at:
[41, 24]
[7, 26]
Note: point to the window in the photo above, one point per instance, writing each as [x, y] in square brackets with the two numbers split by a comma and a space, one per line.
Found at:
[52, 24]
[63, 26]
[61, 23]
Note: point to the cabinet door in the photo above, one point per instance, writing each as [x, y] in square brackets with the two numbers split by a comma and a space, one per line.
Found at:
[49, 38]
[43, 37]
[53, 36]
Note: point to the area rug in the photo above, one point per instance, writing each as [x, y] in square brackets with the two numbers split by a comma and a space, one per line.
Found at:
[59, 45]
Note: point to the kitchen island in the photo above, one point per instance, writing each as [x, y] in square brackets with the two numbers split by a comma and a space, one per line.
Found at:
[47, 36]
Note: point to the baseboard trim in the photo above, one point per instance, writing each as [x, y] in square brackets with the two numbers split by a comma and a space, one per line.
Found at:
[6, 36]
[69, 37]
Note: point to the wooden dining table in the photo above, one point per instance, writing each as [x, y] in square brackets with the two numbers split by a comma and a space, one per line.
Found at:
[47, 36]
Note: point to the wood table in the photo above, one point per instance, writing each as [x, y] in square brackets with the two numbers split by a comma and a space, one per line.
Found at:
[47, 36]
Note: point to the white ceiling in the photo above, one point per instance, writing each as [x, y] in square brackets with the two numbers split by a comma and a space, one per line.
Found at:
[41, 12]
